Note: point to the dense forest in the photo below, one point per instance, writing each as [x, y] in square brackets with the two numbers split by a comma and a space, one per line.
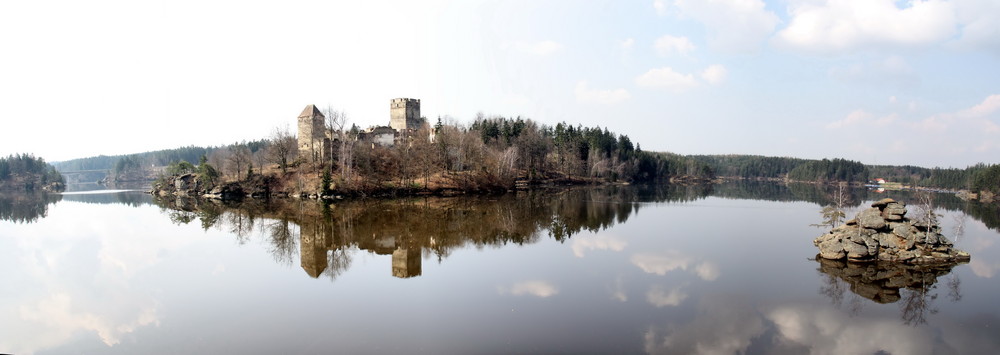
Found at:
[980, 177]
[25, 172]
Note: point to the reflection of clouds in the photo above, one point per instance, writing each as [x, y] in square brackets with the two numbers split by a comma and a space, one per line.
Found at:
[663, 262]
[727, 325]
[983, 269]
[534, 288]
[77, 273]
[618, 292]
[722, 326]
[597, 242]
[61, 315]
[659, 297]
[707, 271]
[827, 331]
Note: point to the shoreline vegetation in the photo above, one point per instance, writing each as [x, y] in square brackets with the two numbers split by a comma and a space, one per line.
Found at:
[492, 155]
[27, 173]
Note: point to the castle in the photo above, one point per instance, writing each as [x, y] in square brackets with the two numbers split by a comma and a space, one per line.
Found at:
[315, 140]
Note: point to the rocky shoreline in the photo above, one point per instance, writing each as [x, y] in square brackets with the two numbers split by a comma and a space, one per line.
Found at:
[884, 233]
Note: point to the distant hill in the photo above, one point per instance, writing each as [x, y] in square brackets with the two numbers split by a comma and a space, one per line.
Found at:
[157, 158]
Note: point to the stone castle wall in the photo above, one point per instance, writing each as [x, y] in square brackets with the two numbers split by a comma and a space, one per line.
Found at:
[404, 114]
[312, 133]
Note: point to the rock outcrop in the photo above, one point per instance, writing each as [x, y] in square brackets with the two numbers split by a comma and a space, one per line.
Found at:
[884, 233]
[189, 185]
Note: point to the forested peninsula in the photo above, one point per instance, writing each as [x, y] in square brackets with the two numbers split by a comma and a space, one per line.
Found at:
[25, 172]
[491, 155]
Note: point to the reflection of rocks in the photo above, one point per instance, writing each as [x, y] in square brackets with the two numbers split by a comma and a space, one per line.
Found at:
[881, 281]
[884, 233]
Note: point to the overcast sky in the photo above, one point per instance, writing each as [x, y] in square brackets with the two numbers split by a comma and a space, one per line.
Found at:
[878, 81]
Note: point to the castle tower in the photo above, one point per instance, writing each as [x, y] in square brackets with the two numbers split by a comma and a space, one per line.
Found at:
[404, 114]
[311, 133]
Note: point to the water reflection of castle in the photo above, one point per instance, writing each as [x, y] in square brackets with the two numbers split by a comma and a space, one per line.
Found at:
[410, 229]
[317, 243]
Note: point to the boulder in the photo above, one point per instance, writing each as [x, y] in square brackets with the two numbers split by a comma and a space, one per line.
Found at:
[880, 204]
[894, 211]
[871, 219]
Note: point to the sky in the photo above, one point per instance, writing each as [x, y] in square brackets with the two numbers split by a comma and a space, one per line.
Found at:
[876, 81]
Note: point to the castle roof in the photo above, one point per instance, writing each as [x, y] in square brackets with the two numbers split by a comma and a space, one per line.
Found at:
[311, 111]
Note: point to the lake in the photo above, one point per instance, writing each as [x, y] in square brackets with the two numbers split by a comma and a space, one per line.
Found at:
[718, 269]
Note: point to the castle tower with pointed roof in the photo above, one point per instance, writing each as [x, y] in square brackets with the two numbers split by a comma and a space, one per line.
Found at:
[312, 134]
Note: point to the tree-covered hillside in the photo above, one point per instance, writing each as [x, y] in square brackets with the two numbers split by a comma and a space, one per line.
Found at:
[25, 172]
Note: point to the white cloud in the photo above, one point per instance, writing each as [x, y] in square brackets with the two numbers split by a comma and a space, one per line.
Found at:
[976, 118]
[866, 119]
[732, 25]
[627, 43]
[667, 78]
[659, 297]
[990, 105]
[607, 97]
[668, 45]
[892, 99]
[842, 26]
[957, 138]
[540, 48]
[714, 74]
[660, 6]
[598, 242]
[981, 24]
[536, 288]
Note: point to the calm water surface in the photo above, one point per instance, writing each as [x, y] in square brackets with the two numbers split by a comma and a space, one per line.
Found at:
[710, 270]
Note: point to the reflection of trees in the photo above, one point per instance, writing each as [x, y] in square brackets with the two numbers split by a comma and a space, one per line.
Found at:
[407, 229]
[884, 282]
[26, 207]
[128, 198]
[282, 241]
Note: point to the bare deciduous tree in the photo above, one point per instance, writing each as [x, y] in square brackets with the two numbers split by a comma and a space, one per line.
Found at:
[342, 142]
[282, 148]
[239, 160]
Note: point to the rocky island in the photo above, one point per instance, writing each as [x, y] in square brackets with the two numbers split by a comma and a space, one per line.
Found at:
[884, 233]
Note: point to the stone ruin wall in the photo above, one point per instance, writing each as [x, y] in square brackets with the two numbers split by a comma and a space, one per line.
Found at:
[404, 113]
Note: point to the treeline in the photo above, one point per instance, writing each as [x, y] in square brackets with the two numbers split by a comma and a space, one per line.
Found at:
[829, 170]
[750, 166]
[147, 165]
[756, 166]
[980, 177]
[27, 172]
[124, 162]
[493, 152]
